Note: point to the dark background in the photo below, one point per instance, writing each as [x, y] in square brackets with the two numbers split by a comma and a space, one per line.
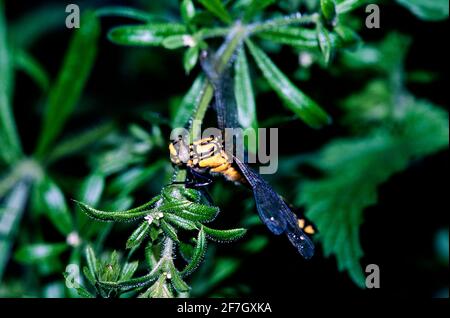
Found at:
[398, 233]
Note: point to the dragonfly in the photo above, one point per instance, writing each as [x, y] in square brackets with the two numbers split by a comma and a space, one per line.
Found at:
[207, 156]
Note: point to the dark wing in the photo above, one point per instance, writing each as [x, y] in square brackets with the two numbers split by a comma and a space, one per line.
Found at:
[274, 212]
[225, 102]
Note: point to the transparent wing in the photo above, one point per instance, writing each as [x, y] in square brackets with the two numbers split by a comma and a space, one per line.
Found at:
[225, 102]
[274, 212]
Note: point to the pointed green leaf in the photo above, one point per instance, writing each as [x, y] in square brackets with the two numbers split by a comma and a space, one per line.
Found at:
[126, 12]
[32, 68]
[180, 222]
[187, 10]
[197, 256]
[81, 291]
[66, 91]
[128, 270]
[186, 251]
[92, 188]
[217, 8]
[11, 212]
[294, 99]
[190, 58]
[138, 236]
[189, 103]
[54, 204]
[323, 37]
[243, 90]
[169, 230]
[145, 35]
[177, 282]
[119, 216]
[91, 260]
[176, 41]
[328, 8]
[255, 7]
[89, 276]
[224, 235]
[427, 10]
[9, 140]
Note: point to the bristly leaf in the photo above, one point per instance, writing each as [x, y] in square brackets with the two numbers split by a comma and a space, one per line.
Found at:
[180, 222]
[138, 236]
[294, 99]
[146, 34]
[127, 12]
[71, 80]
[119, 216]
[435, 10]
[169, 230]
[198, 254]
[224, 235]
[177, 282]
[323, 37]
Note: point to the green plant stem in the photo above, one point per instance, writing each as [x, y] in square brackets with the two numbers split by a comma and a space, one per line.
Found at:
[296, 18]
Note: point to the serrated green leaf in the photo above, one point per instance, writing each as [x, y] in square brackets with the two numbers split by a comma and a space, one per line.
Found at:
[217, 8]
[39, 252]
[169, 230]
[224, 235]
[138, 236]
[294, 99]
[245, 99]
[54, 204]
[435, 10]
[145, 35]
[190, 58]
[67, 89]
[354, 171]
[177, 282]
[180, 222]
[119, 216]
[186, 251]
[198, 254]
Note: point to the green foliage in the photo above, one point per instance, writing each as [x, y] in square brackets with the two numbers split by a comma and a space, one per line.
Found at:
[427, 10]
[70, 82]
[394, 128]
[55, 200]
